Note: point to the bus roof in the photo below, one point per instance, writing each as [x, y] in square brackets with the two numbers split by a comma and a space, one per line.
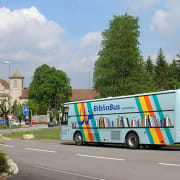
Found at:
[121, 97]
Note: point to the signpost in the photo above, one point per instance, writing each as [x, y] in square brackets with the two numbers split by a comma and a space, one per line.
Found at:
[10, 117]
[26, 110]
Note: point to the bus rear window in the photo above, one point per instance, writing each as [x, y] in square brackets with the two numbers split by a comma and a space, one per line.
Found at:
[65, 116]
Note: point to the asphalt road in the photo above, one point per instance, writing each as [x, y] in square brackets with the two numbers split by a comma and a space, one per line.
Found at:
[51, 160]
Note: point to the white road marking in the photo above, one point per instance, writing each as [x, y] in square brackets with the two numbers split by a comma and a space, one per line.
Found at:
[166, 164]
[11, 146]
[65, 172]
[100, 157]
[41, 150]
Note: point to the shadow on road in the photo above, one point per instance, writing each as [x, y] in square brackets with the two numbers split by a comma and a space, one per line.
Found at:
[146, 147]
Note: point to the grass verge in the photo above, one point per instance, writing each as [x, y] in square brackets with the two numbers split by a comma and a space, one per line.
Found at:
[53, 133]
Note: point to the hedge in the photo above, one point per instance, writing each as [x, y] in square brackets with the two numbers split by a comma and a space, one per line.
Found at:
[3, 162]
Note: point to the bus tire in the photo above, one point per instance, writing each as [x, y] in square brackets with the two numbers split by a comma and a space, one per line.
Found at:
[78, 139]
[132, 141]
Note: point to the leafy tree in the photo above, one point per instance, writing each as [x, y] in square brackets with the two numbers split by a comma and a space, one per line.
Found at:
[50, 87]
[161, 71]
[4, 109]
[119, 68]
[18, 111]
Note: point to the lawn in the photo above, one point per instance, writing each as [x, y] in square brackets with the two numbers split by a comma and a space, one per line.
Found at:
[53, 133]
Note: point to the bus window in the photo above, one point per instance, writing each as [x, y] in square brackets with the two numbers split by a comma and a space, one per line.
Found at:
[65, 116]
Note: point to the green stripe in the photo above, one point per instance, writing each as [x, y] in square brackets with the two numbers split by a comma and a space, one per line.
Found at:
[96, 132]
[142, 116]
[161, 115]
[78, 119]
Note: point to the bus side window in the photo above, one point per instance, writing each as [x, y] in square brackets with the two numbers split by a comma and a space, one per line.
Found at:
[65, 116]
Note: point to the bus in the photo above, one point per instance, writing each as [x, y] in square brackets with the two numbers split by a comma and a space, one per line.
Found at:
[133, 120]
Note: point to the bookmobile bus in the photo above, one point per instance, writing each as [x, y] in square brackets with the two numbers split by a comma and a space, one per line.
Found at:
[146, 119]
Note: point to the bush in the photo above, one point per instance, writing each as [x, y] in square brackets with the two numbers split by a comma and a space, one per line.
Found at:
[3, 162]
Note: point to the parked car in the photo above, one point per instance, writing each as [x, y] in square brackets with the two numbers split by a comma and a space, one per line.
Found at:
[17, 123]
[52, 123]
[28, 122]
[2, 122]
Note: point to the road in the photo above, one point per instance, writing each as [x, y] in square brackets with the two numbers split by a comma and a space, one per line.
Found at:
[43, 159]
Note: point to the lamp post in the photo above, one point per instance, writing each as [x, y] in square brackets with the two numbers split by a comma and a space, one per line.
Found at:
[89, 84]
[7, 62]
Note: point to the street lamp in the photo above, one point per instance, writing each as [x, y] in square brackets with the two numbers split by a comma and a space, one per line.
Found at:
[7, 62]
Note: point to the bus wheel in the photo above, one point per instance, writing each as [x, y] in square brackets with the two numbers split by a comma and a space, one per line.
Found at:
[78, 139]
[132, 141]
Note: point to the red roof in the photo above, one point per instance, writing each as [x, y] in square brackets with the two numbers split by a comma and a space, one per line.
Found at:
[77, 94]
[24, 94]
[83, 94]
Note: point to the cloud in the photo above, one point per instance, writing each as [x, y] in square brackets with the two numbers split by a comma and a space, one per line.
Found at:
[160, 22]
[29, 39]
[143, 5]
[166, 21]
[26, 33]
[91, 38]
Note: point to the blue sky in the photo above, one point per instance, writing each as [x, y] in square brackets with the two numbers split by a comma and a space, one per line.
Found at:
[66, 34]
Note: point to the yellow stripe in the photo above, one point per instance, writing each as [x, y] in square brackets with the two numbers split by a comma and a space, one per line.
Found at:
[143, 105]
[154, 136]
[83, 125]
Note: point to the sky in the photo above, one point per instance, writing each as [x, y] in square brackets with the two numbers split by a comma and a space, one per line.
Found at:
[66, 34]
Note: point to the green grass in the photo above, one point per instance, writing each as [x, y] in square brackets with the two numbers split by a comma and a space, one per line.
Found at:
[39, 134]
[12, 127]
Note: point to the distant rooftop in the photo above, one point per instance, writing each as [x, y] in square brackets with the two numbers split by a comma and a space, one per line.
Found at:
[4, 83]
[16, 75]
[83, 94]
[77, 94]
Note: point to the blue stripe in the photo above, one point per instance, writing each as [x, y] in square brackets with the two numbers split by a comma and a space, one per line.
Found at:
[142, 117]
[96, 132]
[161, 115]
[79, 121]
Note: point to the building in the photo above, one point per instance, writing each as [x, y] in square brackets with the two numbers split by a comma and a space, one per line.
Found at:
[16, 87]
[20, 94]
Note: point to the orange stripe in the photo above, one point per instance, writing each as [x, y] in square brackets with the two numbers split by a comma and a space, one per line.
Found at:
[158, 130]
[86, 119]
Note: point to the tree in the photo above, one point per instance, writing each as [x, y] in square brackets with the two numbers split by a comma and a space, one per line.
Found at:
[18, 111]
[50, 87]
[149, 70]
[161, 71]
[119, 68]
[178, 65]
[4, 109]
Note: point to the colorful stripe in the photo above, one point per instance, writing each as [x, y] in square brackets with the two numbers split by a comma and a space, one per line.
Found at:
[154, 134]
[142, 117]
[78, 119]
[87, 123]
[157, 134]
[158, 107]
[93, 122]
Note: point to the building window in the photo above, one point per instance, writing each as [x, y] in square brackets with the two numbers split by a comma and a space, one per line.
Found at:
[15, 83]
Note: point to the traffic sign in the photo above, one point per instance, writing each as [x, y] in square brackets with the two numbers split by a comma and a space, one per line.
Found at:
[26, 110]
[10, 117]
